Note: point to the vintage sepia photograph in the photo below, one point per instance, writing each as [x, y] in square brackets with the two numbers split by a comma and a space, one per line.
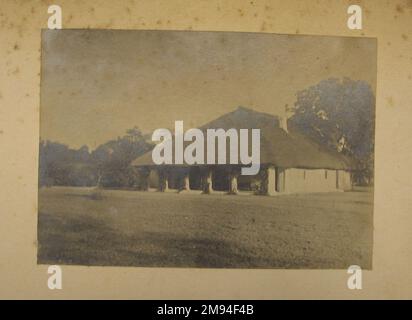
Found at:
[206, 149]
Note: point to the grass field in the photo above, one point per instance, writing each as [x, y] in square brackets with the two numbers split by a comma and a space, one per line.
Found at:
[130, 228]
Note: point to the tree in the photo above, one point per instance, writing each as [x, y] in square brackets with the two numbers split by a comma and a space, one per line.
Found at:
[134, 134]
[341, 115]
[60, 165]
[112, 159]
[108, 165]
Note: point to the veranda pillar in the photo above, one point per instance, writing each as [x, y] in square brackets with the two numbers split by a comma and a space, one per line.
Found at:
[185, 182]
[163, 180]
[207, 183]
[233, 177]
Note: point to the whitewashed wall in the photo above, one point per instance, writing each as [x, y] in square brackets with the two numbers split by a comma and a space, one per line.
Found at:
[312, 180]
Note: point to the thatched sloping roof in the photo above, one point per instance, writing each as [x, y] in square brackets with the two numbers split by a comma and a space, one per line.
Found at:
[283, 149]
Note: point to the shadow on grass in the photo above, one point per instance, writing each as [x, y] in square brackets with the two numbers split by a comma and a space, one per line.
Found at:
[84, 240]
[95, 195]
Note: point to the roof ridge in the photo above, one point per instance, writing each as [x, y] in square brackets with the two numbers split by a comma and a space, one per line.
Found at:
[242, 108]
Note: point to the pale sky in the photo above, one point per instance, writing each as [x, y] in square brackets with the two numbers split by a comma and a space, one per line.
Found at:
[95, 84]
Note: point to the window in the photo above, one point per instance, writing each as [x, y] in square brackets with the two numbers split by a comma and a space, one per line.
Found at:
[304, 174]
[326, 174]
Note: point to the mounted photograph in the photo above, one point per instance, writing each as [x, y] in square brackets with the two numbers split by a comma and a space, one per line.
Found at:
[198, 149]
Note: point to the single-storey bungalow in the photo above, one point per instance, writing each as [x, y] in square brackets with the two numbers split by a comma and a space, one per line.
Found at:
[290, 162]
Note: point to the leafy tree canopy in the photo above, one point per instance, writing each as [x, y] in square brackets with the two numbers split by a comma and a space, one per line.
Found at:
[108, 164]
[339, 114]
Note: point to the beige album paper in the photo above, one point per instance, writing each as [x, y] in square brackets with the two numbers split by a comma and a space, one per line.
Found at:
[205, 149]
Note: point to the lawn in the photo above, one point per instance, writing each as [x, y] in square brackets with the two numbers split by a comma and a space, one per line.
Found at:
[131, 228]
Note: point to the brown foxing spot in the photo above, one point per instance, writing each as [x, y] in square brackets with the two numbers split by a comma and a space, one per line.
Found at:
[399, 8]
